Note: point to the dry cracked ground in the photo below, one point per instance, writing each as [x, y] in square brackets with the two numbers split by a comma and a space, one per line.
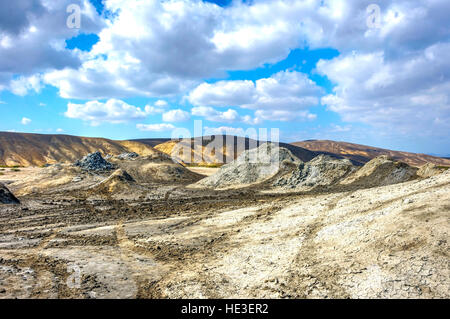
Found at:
[382, 242]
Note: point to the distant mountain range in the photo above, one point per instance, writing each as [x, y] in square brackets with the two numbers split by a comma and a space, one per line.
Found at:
[201, 147]
[25, 149]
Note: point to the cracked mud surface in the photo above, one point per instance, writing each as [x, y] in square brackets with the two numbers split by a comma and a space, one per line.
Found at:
[384, 242]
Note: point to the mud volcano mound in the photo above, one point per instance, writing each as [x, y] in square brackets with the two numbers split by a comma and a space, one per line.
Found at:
[430, 169]
[94, 162]
[252, 166]
[6, 197]
[381, 171]
[155, 168]
[323, 170]
[118, 181]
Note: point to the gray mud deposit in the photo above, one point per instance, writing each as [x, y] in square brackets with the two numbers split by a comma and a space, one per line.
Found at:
[124, 238]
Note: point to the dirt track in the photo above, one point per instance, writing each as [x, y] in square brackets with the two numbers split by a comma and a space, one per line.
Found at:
[389, 241]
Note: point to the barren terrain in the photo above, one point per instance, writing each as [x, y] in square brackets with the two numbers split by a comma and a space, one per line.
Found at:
[180, 242]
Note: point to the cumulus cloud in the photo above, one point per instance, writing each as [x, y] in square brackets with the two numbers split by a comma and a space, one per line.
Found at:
[155, 127]
[143, 50]
[283, 115]
[111, 111]
[406, 95]
[284, 96]
[22, 85]
[25, 121]
[15, 15]
[33, 34]
[177, 115]
[161, 103]
[213, 115]
[223, 93]
[224, 130]
[285, 90]
[157, 107]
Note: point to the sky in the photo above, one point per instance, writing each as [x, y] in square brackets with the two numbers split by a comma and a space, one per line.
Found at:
[368, 72]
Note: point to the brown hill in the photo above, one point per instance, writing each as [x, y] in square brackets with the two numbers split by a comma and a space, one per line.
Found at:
[220, 149]
[362, 154]
[151, 141]
[26, 149]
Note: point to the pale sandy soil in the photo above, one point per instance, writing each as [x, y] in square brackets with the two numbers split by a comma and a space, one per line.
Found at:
[383, 242]
[11, 174]
[206, 171]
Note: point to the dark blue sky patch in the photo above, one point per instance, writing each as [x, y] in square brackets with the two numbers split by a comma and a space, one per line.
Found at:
[98, 4]
[84, 42]
[222, 3]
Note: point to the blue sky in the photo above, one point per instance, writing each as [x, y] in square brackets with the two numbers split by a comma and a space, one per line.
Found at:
[325, 70]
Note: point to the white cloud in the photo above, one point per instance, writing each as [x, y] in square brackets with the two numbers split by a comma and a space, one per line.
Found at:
[22, 85]
[33, 34]
[284, 96]
[161, 103]
[283, 115]
[144, 51]
[155, 127]
[177, 115]
[157, 107]
[111, 111]
[225, 130]
[223, 93]
[25, 121]
[213, 115]
[408, 95]
[59, 130]
[143, 48]
[153, 110]
[283, 90]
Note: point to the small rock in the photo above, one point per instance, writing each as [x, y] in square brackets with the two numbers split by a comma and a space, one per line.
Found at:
[127, 156]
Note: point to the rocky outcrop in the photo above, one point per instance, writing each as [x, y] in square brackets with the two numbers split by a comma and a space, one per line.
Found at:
[6, 197]
[430, 169]
[252, 166]
[94, 162]
[127, 156]
[323, 170]
[381, 171]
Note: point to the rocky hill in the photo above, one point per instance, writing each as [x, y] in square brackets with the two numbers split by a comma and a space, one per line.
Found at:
[323, 170]
[252, 166]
